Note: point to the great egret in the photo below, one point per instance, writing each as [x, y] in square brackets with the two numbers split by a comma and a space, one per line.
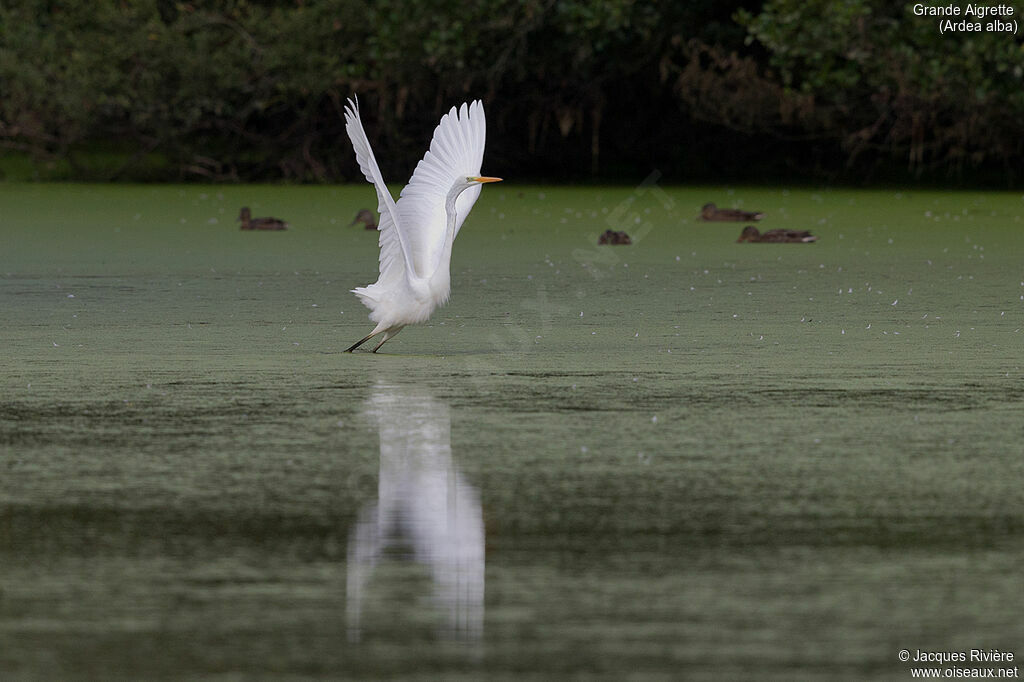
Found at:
[417, 232]
[250, 223]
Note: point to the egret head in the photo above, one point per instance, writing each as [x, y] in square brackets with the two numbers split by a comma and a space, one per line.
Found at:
[468, 181]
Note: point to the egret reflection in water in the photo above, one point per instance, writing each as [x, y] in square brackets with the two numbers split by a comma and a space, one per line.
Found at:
[424, 507]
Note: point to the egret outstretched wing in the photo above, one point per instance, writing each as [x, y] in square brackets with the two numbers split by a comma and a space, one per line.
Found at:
[456, 152]
[394, 251]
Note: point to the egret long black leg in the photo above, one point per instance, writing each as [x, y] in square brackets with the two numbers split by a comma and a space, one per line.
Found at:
[387, 335]
[364, 340]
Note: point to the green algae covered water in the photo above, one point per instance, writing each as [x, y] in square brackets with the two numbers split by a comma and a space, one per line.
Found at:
[685, 458]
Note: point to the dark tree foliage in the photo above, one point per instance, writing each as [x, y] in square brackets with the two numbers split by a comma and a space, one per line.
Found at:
[890, 86]
[253, 90]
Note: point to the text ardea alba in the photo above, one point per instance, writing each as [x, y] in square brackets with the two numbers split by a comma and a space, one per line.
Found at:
[417, 232]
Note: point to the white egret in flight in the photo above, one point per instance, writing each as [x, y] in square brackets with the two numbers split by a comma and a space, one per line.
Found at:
[417, 232]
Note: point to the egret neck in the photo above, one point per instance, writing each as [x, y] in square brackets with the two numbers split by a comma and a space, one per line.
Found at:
[440, 280]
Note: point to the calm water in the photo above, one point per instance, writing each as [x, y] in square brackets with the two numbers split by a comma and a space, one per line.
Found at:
[688, 458]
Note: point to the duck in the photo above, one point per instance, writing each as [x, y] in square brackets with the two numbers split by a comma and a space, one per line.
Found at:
[250, 223]
[366, 217]
[750, 234]
[712, 213]
[614, 238]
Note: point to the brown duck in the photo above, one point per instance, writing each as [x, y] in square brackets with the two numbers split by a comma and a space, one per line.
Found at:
[366, 217]
[750, 234]
[712, 213]
[615, 238]
[250, 223]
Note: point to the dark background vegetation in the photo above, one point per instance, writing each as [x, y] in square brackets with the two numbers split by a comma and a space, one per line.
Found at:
[818, 90]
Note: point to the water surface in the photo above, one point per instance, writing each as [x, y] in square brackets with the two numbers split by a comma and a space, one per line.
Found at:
[686, 458]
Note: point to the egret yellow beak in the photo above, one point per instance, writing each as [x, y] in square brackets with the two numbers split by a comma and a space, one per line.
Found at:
[486, 179]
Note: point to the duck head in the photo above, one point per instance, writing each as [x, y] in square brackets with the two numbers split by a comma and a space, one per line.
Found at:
[749, 234]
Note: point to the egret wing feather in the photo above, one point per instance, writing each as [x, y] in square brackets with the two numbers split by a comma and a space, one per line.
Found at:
[394, 253]
[456, 152]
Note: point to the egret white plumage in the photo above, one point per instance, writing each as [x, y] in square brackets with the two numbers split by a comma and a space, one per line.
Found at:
[417, 231]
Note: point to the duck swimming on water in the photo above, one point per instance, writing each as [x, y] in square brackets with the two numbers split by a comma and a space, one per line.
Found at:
[367, 217]
[614, 238]
[712, 213]
[250, 223]
[750, 234]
